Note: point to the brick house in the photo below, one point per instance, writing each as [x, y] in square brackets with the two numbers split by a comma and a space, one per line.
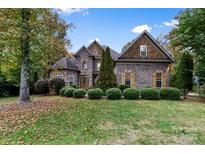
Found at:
[144, 63]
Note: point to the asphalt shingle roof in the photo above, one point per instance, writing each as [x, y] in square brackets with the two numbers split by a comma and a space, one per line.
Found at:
[66, 63]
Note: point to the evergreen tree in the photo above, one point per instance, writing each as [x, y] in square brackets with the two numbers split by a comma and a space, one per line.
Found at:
[184, 73]
[107, 78]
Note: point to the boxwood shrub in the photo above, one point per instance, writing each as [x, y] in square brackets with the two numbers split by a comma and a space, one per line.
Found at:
[150, 94]
[131, 93]
[57, 84]
[79, 93]
[113, 93]
[62, 91]
[95, 93]
[42, 87]
[170, 93]
[122, 87]
[69, 92]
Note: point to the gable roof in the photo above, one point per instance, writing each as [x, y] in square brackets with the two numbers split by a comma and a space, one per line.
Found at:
[153, 39]
[83, 47]
[66, 63]
[113, 53]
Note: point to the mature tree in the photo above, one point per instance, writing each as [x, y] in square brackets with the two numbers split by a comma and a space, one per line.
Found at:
[45, 43]
[189, 36]
[107, 78]
[48, 41]
[24, 95]
[127, 45]
[184, 74]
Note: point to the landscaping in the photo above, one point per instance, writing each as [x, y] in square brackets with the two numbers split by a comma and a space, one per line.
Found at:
[62, 120]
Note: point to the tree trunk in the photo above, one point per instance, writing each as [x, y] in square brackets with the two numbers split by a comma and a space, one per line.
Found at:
[24, 85]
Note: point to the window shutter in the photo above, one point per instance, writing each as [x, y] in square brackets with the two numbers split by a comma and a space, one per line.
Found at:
[133, 83]
[154, 80]
[123, 78]
[164, 80]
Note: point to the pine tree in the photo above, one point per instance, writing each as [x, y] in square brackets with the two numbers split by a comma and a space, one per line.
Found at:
[184, 73]
[107, 78]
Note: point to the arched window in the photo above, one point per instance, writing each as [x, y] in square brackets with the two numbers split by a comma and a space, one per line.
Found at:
[59, 75]
[84, 64]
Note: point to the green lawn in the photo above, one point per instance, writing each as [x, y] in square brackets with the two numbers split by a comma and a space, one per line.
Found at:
[57, 120]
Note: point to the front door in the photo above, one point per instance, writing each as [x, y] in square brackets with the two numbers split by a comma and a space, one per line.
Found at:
[84, 82]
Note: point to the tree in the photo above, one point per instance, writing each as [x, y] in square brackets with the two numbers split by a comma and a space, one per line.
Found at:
[189, 36]
[24, 96]
[184, 75]
[127, 44]
[107, 78]
[45, 43]
[48, 41]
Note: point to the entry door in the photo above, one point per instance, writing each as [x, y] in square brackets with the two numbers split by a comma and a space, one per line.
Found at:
[84, 82]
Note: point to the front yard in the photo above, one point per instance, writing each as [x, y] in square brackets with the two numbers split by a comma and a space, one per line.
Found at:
[58, 120]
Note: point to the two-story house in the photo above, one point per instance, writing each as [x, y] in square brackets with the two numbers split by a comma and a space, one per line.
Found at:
[144, 63]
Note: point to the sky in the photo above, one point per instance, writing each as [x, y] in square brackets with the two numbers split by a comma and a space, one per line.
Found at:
[115, 27]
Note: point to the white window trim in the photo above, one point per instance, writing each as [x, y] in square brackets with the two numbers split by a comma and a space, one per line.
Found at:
[141, 55]
[69, 77]
[82, 64]
[98, 66]
[59, 75]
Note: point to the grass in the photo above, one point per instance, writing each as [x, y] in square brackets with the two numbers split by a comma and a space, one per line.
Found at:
[83, 121]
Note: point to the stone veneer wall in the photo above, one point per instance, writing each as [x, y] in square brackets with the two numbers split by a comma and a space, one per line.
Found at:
[54, 73]
[143, 72]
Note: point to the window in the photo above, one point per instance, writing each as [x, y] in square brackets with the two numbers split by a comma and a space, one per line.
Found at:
[159, 80]
[84, 64]
[60, 75]
[98, 66]
[127, 79]
[143, 50]
[95, 52]
[71, 79]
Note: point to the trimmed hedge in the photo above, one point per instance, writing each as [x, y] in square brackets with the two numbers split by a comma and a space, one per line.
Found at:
[122, 87]
[150, 94]
[42, 87]
[113, 93]
[57, 84]
[62, 91]
[79, 93]
[170, 93]
[69, 92]
[131, 93]
[95, 93]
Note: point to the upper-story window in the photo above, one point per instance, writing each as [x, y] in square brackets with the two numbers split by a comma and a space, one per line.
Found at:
[143, 50]
[95, 52]
[98, 66]
[71, 79]
[84, 64]
[59, 75]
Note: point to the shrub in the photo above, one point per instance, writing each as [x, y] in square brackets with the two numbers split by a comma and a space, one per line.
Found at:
[69, 92]
[150, 93]
[62, 91]
[79, 93]
[95, 93]
[170, 93]
[113, 93]
[131, 93]
[57, 84]
[42, 87]
[74, 86]
[122, 87]
[202, 90]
